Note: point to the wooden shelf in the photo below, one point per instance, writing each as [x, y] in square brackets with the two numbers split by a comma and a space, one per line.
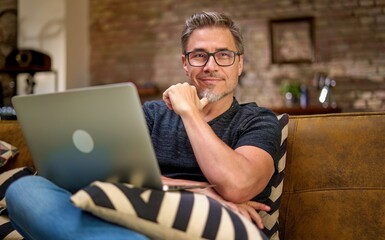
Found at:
[306, 111]
[148, 92]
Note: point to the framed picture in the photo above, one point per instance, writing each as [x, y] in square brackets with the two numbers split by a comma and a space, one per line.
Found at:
[292, 40]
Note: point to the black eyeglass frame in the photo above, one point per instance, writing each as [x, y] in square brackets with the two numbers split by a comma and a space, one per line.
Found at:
[212, 54]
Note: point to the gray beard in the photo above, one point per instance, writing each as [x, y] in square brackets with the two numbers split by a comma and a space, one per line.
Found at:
[212, 97]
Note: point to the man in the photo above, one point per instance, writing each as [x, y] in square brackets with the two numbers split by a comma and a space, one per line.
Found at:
[200, 134]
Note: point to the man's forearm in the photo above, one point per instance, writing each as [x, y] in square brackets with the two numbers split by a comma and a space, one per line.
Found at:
[235, 176]
[247, 209]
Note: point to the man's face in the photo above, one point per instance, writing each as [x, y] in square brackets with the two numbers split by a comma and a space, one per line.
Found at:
[211, 80]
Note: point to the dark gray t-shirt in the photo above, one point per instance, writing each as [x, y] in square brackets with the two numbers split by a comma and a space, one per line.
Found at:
[241, 125]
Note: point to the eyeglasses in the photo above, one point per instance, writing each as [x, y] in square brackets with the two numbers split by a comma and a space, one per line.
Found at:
[223, 58]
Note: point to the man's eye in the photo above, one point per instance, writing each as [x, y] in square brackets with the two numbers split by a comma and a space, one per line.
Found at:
[224, 54]
[199, 55]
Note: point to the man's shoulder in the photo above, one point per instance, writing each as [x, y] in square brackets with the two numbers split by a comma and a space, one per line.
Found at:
[157, 109]
[252, 114]
[154, 104]
[253, 109]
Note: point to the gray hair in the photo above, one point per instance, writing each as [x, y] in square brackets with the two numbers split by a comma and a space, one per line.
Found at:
[207, 19]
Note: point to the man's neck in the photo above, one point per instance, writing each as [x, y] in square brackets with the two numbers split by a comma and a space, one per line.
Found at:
[214, 109]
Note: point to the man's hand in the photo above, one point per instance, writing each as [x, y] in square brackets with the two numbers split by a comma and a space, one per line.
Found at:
[182, 98]
[248, 209]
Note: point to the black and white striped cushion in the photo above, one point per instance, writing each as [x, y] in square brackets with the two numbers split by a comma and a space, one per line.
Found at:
[6, 179]
[164, 215]
[7, 151]
[7, 231]
[270, 219]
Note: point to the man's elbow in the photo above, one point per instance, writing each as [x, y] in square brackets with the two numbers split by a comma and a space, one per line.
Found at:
[237, 194]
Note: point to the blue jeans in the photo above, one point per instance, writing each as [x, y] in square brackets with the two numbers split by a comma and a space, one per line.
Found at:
[39, 209]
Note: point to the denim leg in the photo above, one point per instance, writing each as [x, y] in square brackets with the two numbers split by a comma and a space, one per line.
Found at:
[41, 210]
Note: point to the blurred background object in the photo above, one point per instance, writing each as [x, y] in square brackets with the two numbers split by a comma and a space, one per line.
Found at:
[101, 42]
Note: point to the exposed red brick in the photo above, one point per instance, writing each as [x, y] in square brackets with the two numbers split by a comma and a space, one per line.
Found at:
[138, 40]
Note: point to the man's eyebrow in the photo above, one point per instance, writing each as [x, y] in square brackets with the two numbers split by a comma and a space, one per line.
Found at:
[222, 49]
[197, 49]
[204, 50]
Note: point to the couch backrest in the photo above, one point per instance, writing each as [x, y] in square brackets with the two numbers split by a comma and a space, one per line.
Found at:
[334, 186]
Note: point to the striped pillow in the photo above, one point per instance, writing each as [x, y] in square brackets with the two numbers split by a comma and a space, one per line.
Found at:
[7, 231]
[8, 177]
[7, 151]
[164, 215]
[270, 219]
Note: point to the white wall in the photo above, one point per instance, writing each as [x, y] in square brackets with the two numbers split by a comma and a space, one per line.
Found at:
[78, 46]
[58, 28]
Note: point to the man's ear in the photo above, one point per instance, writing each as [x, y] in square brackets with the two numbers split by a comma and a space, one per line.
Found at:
[184, 62]
[240, 65]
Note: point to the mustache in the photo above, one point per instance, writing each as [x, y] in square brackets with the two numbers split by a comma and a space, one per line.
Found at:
[209, 75]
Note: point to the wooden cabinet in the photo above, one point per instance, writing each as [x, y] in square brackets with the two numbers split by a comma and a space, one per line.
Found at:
[306, 111]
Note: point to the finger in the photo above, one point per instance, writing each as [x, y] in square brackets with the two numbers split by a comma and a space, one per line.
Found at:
[203, 102]
[258, 206]
[257, 219]
[168, 103]
[166, 99]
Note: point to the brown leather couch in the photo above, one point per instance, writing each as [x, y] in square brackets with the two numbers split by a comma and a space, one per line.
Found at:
[334, 186]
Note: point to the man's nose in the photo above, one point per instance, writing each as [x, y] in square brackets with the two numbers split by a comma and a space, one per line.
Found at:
[211, 64]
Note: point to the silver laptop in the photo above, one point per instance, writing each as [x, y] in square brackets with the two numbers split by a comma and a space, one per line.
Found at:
[95, 133]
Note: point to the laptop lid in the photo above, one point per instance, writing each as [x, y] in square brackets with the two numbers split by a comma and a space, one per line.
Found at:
[95, 133]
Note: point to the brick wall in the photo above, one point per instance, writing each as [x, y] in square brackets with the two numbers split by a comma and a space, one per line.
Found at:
[138, 40]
